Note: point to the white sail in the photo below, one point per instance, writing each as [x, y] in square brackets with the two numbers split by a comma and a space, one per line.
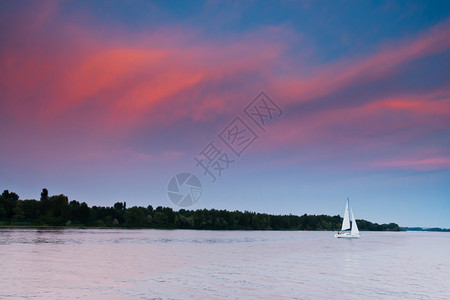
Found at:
[346, 222]
[355, 231]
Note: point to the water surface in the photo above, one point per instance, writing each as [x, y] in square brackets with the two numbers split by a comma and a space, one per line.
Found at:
[183, 264]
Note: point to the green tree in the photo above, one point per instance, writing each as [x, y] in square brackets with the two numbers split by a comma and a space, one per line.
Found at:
[44, 195]
[160, 219]
[57, 211]
[18, 213]
[2, 213]
[84, 213]
[31, 209]
[8, 202]
[119, 206]
[136, 217]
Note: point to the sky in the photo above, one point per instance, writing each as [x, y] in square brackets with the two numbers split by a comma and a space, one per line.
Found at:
[105, 101]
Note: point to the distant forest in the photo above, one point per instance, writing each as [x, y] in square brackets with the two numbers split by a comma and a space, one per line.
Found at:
[59, 211]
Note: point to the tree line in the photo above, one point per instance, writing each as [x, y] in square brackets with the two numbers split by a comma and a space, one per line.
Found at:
[57, 210]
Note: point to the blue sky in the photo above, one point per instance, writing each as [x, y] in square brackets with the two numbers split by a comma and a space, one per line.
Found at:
[106, 101]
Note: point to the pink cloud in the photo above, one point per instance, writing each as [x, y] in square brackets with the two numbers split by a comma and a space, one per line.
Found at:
[327, 79]
[77, 95]
[121, 84]
[349, 137]
[100, 85]
[343, 125]
[420, 164]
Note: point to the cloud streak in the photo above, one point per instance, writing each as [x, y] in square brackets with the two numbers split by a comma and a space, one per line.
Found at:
[68, 80]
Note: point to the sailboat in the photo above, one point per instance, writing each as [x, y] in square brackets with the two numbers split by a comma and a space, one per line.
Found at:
[348, 231]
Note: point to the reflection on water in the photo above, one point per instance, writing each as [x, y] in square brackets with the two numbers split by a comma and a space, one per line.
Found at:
[180, 264]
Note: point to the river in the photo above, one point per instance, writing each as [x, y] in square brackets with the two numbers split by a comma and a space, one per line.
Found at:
[190, 264]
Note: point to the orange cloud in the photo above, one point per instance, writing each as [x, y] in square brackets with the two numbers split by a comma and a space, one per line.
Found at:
[119, 86]
[421, 105]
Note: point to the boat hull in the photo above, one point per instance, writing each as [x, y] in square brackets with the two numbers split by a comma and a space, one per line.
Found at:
[346, 236]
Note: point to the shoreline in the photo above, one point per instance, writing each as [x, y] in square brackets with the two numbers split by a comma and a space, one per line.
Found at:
[50, 227]
[153, 228]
